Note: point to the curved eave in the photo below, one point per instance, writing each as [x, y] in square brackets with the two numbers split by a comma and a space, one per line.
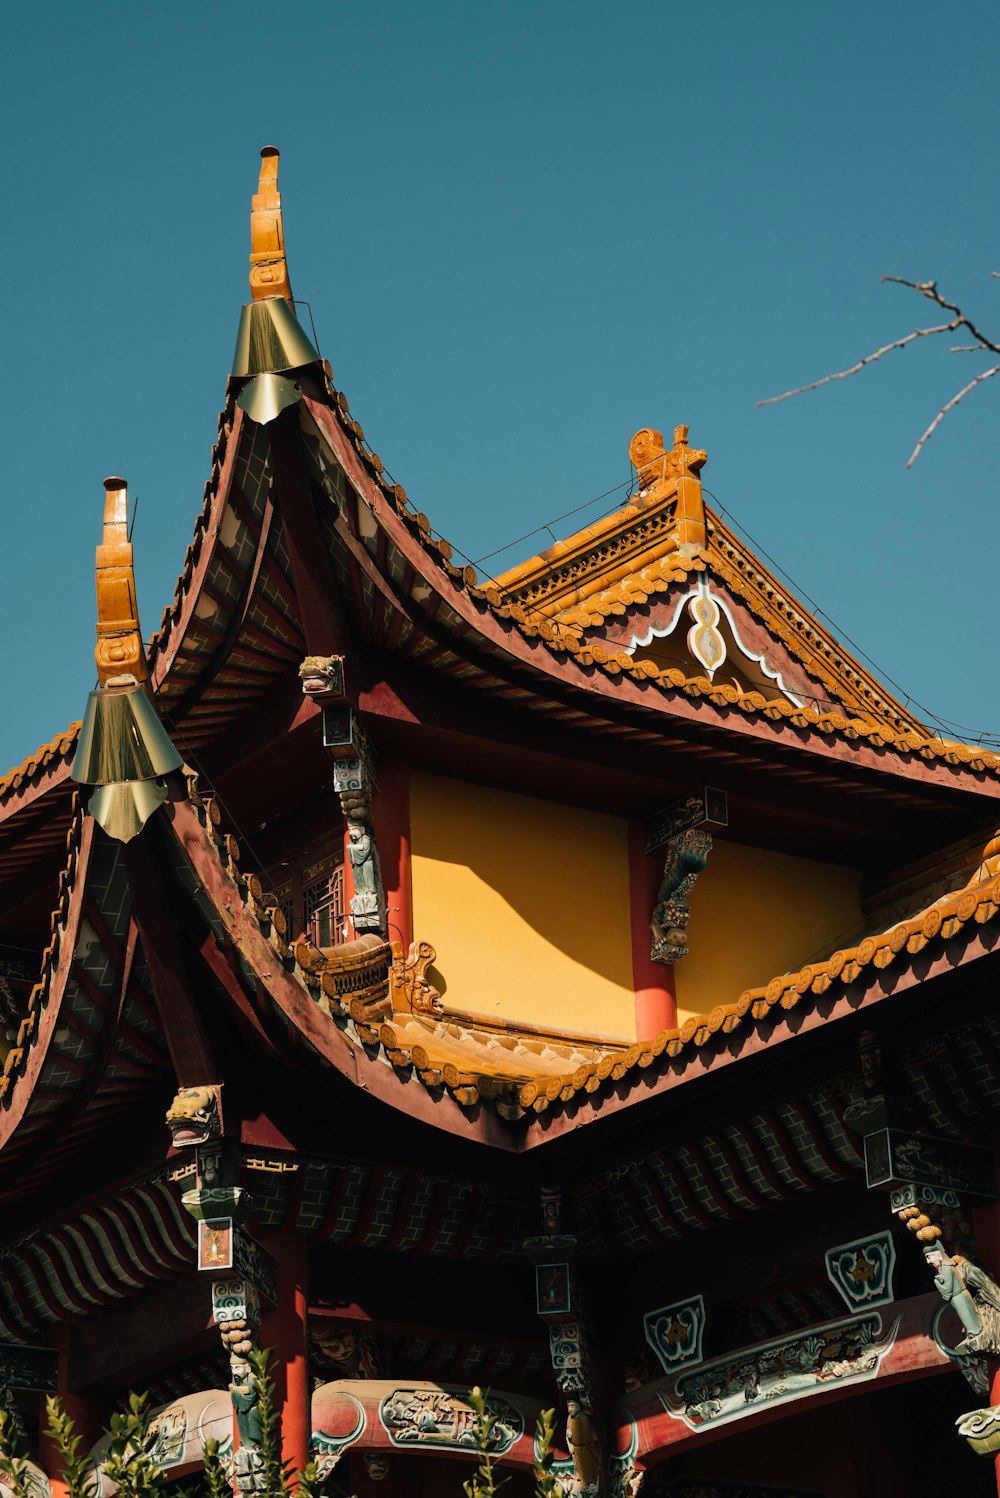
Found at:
[453, 606]
[340, 1049]
[957, 930]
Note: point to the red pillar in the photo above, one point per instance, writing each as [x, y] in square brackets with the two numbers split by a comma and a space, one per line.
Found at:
[391, 812]
[86, 1412]
[283, 1330]
[987, 1230]
[655, 1001]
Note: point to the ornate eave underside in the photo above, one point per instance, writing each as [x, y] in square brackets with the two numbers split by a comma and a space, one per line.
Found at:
[89, 1046]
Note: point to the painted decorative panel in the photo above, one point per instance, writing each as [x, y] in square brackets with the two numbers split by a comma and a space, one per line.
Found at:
[415, 1417]
[675, 1332]
[862, 1271]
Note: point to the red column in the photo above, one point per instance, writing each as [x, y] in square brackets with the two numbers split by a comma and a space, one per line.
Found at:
[391, 811]
[655, 1001]
[283, 1330]
[987, 1229]
[86, 1412]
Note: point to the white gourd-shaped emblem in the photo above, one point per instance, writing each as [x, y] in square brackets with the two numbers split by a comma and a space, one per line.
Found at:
[704, 640]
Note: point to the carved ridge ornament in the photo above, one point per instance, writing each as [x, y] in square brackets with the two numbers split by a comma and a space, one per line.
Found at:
[408, 985]
[655, 465]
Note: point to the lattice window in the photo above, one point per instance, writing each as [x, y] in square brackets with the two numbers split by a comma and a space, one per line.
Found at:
[312, 901]
[323, 909]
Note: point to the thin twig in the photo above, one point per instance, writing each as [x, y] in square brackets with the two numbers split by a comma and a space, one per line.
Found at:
[947, 327]
[983, 344]
[986, 375]
[930, 291]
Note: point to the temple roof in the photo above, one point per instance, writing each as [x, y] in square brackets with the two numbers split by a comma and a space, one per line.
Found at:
[536, 641]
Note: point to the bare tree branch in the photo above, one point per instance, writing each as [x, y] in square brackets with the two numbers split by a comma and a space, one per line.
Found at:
[946, 327]
[982, 344]
[929, 290]
[987, 374]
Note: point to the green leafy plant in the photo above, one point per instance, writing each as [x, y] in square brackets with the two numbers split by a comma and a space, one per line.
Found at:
[547, 1484]
[128, 1464]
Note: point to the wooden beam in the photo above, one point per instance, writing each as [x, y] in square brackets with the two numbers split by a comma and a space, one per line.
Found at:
[153, 903]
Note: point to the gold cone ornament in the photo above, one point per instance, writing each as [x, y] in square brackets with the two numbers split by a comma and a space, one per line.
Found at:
[270, 340]
[123, 749]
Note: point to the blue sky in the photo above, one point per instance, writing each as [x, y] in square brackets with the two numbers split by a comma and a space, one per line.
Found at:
[525, 230]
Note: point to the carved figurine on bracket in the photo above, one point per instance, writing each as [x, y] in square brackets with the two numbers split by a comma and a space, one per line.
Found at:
[558, 1304]
[584, 1448]
[972, 1293]
[687, 854]
[244, 1391]
[323, 676]
[353, 781]
[974, 1297]
[194, 1117]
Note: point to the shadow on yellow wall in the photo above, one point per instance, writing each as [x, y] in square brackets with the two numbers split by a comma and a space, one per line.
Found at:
[756, 914]
[526, 902]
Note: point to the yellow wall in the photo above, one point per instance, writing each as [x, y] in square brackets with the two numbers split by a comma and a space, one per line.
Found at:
[756, 914]
[526, 903]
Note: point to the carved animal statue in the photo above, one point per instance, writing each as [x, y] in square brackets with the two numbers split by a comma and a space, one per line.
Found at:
[322, 676]
[193, 1117]
[686, 857]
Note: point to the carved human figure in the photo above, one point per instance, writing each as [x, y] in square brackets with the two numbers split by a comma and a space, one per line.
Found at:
[244, 1391]
[359, 851]
[974, 1297]
[582, 1444]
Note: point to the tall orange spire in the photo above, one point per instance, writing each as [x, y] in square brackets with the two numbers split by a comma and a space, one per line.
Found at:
[121, 659]
[268, 267]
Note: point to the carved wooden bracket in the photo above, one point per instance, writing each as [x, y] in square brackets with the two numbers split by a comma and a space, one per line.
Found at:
[687, 854]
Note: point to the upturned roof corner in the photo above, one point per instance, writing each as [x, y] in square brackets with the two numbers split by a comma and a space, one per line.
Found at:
[268, 266]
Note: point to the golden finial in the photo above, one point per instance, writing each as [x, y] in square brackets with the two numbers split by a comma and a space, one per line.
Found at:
[268, 267]
[655, 464]
[121, 659]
